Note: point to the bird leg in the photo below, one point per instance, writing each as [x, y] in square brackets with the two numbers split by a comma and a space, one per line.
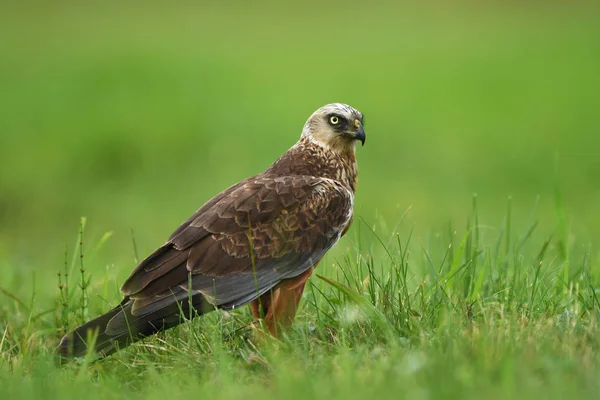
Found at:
[278, 307]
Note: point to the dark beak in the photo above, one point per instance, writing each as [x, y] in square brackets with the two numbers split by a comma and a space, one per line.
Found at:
[360, 135]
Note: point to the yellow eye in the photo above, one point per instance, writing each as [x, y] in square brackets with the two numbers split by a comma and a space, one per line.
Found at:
[334, 120]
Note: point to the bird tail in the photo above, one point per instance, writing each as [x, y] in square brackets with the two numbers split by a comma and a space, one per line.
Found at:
[119, 327]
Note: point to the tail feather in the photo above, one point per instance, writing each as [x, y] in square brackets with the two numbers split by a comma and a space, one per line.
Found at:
[119, 328]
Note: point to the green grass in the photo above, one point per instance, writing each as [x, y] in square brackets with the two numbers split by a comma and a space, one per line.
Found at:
[133, 116]
[480, 313]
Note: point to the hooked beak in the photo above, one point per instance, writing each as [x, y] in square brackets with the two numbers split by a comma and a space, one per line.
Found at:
[359, 134]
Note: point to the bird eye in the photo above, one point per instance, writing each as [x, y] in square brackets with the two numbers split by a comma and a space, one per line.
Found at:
[333, 120]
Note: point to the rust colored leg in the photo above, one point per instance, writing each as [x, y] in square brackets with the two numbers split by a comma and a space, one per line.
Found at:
[260, 306]
[278, 307]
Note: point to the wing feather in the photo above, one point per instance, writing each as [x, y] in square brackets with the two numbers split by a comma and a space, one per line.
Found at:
[244, 242]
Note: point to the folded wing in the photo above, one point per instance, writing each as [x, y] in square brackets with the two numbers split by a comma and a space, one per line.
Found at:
[241, 244]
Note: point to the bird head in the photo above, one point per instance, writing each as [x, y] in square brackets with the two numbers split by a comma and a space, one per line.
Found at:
[335, 126]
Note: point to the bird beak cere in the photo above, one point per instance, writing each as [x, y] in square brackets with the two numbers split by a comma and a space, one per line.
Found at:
[359, 133]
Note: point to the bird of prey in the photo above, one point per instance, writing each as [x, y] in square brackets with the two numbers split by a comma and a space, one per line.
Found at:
[256, 242]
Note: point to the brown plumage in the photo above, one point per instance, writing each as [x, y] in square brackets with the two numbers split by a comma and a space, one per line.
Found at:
[256, 242]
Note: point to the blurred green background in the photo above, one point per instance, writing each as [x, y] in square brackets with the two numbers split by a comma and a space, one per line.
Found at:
[135, 114]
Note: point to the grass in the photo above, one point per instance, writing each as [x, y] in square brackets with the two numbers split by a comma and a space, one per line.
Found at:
[478, 313]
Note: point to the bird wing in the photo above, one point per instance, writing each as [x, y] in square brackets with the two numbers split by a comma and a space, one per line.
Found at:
[243, 242]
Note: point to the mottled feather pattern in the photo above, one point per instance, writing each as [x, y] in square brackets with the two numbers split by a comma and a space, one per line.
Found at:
[296, 206]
